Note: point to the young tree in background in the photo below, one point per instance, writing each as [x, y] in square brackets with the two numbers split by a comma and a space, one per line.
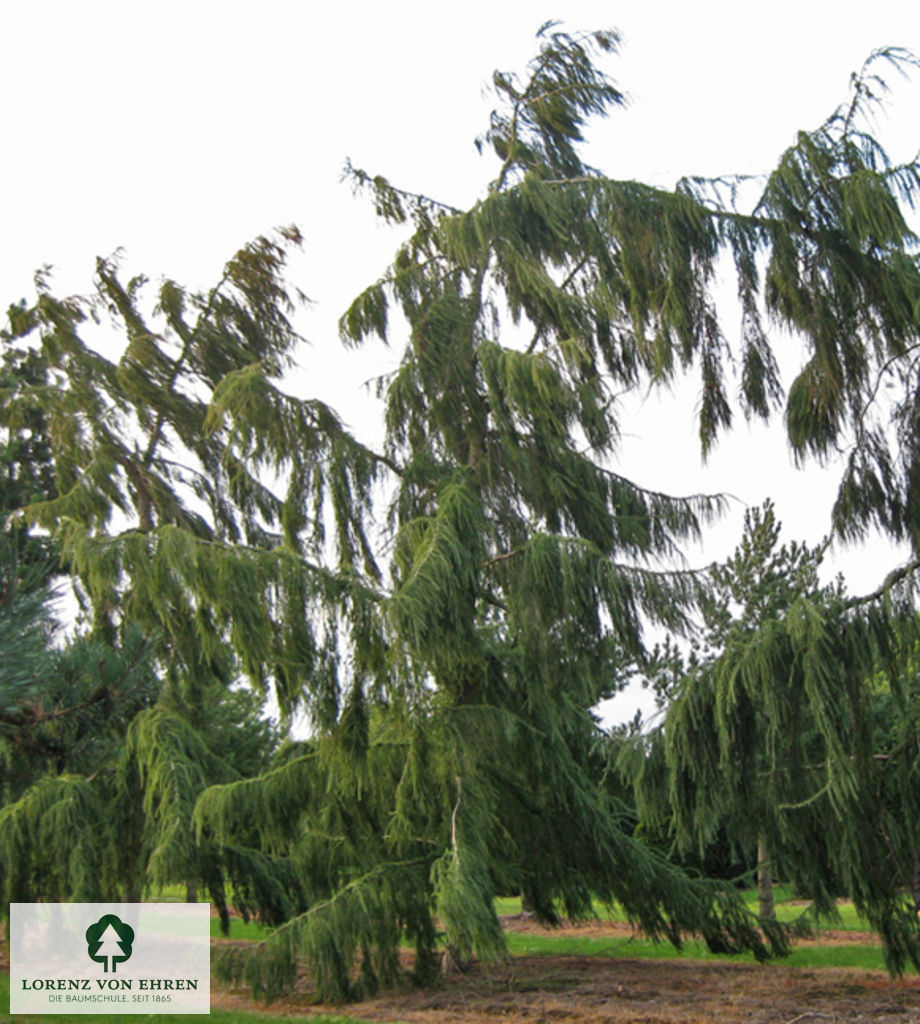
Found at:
[749, 594]
[795, 732]
[26, 464]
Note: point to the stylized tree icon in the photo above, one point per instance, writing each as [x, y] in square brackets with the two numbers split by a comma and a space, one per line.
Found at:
[108, 941]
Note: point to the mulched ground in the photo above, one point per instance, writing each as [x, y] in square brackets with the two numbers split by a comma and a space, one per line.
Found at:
[606, 990]
[592, 990]
[600, 929]
[585, 990]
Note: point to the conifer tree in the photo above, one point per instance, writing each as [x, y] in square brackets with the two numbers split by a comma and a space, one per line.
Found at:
[63, 834]
[96, 751]
[162, 512]
[26, 467]
[773, 734]
[748, 593]
[175, 543]
[463, 763]
[119, 731]
[26, 628]
[82, 749]
[454, 754]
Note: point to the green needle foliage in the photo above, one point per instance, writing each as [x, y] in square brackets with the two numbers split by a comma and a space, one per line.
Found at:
[522, 570]
[162, 513]
[620, 277]
[66, 829]
[114, 458]
[84, 753]
[795, 731]
[450, 658]
[26, 465]
[92, 754]
[26, 628]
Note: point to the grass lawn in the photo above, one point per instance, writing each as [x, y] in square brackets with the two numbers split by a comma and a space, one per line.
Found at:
[863, 955]
[867, 957]
[240, 929]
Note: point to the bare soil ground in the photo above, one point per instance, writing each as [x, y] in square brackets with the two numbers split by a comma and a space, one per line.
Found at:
[583, 990]
[595, 990]
[600, 929]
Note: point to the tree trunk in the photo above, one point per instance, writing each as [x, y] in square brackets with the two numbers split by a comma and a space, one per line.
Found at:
[764, 879]
[191, 894]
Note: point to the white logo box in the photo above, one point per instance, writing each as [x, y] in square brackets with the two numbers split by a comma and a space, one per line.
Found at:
[55, 968]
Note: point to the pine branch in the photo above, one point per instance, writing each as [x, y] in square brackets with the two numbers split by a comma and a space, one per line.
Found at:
[365, 180]
[891, 580]
[882, 370]
[108, 692]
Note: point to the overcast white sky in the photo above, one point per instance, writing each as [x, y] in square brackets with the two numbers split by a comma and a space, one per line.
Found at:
[181, 130]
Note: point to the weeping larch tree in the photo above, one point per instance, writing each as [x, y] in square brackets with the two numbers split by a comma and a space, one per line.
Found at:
[450, 658]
